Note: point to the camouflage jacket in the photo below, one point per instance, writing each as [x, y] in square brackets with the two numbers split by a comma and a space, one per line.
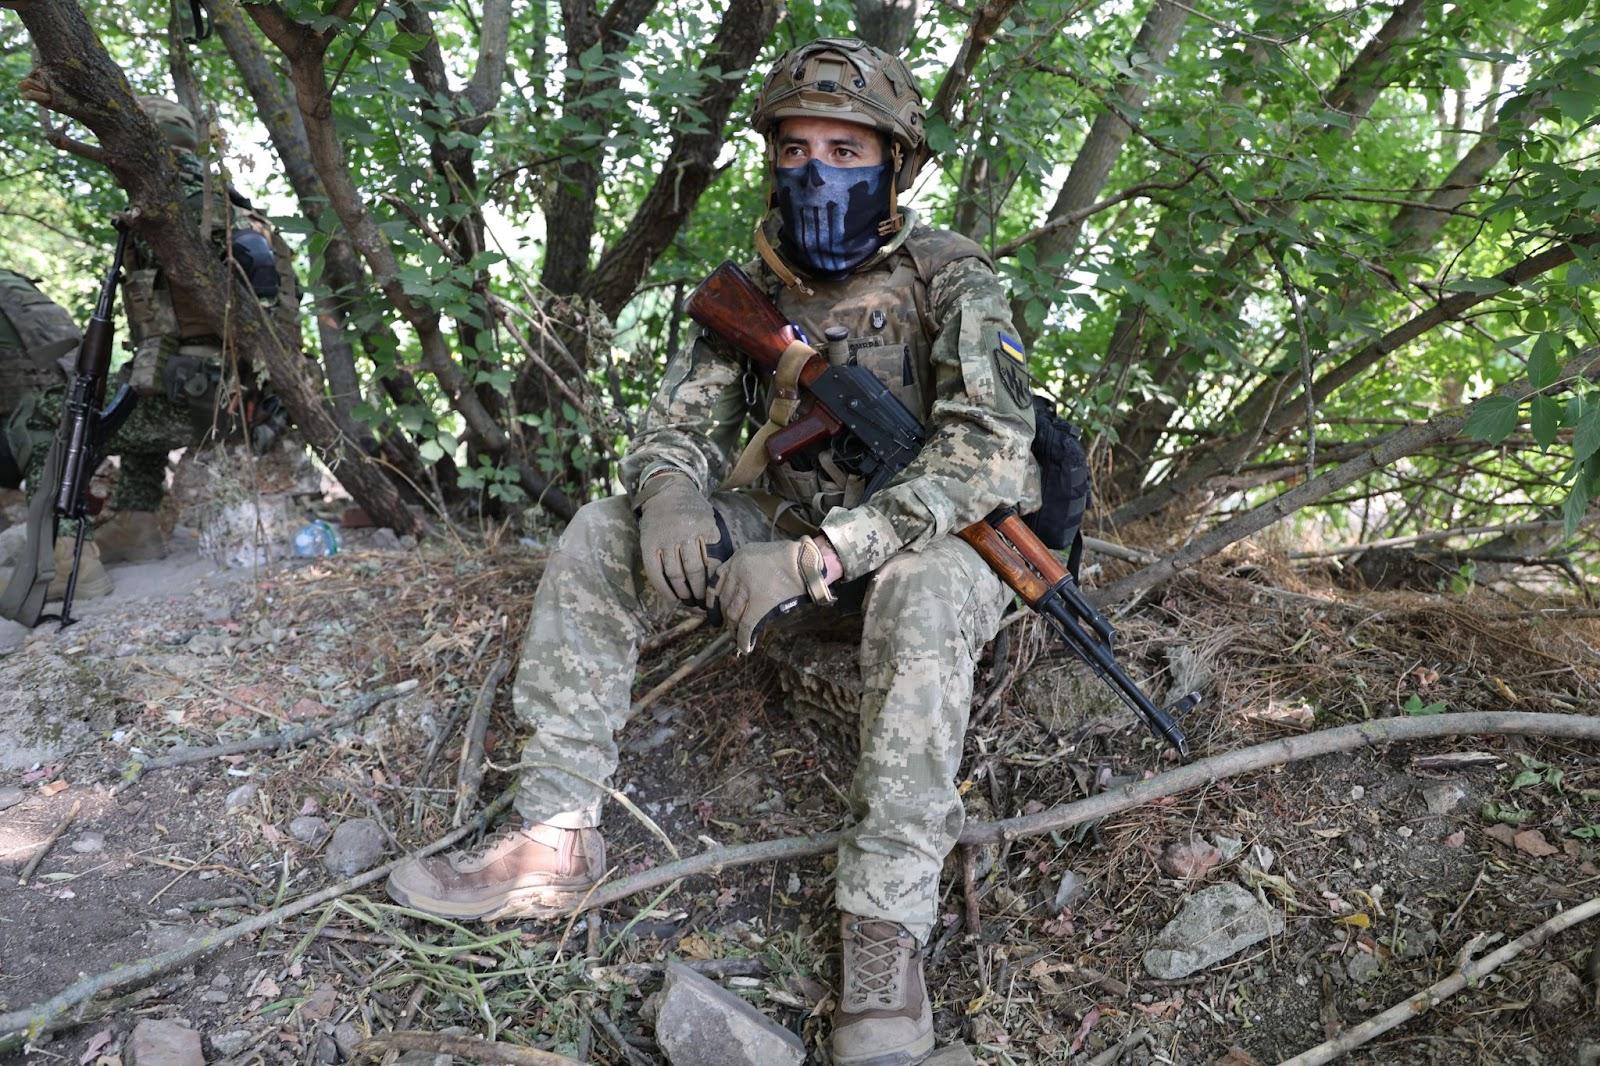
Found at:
[929, 317]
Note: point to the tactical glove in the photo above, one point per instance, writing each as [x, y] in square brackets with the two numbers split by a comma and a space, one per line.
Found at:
[679, 537]
[765, 580]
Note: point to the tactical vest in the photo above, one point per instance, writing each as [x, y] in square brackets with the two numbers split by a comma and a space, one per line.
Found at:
[884, 308]
[38, 340]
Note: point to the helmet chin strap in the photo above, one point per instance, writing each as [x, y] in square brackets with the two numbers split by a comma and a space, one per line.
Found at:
[892, 224]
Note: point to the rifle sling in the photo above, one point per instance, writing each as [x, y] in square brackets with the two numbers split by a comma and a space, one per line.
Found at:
[780, 412]
[24, 596]
[774, 261]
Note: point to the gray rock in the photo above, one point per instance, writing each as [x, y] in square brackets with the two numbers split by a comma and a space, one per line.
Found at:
[702, 1024]
[357, 845]
[89, 843]
[1560, 993]
[309, 829]
[1442, 797]
[241, 797]
[1262, 857]
[1229, 846]
[230, 1043]
[1067, 892]
[327, 1051]
[215, 995]
[10, 797]
[347, 1037]
[1589, 1053]
[163, 1043]
[954, 1055]
[1212, 925]
[1362, 967]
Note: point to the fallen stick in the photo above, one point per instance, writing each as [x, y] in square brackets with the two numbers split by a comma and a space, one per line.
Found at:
[472, 1047]
[50, 842]
[719, 645]
[1182, 779]
[469, 776]
[287, 738]
[609, 1027]
[655, 643]
[1468, 974]
[19, 1026]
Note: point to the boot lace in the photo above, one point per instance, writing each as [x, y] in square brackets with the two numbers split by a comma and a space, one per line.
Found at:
[872, 971]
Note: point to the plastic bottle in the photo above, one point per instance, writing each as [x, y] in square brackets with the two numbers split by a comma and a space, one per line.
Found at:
[315, 539]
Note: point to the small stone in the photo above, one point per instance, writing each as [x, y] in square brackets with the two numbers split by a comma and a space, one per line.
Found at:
[1229, 846]
[230, 1043]
[1404, 832]
[241, 797]
[1262, 857]
[357, 845]
[1213, 924]
[1589, 1053]
[1067, 892]
[163, 1043]
[702, 1024]
[347, 1038]
[215, 995]
[1560, 993]
[1362, 967]
[327, 1051]
[10, 797]
[1442, 797]
[89, 843]
[954, 1055]
[222, 980]
[309, 829]
[1357, 792]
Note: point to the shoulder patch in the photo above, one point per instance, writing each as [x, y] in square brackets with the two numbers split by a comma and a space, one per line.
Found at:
[931, 250]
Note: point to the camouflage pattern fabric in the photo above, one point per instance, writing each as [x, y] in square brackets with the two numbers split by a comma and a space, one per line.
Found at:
[938, 340]
[928, 615]
[156, 427]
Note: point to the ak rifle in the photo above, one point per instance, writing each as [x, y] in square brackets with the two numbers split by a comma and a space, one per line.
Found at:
[875, 437]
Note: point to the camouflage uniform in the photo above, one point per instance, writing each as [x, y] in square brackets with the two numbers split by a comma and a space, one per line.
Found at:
[38, 342]
[926, 315]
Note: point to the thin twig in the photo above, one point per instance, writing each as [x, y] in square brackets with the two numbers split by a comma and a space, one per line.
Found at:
[288, 738]
[49, 842]
[31, 1022]
[469, 778]
[609, 1027]
[661, 640]
[1469, 974]
[719, 646]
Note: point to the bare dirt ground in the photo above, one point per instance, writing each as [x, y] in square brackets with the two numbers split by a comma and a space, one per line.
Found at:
[1384, 864]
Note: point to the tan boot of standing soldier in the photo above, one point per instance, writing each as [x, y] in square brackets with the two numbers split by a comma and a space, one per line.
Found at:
[884, 1017]
[93, 581]
[131, 537]
[526, 872]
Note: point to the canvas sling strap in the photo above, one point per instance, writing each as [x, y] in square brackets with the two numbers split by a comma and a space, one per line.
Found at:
[24, 596]
[780, 412]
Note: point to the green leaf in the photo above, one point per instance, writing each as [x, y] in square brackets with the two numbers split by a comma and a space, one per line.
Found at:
[430, 451]
[1543, 366]
[1546, 421]
[1526, 779]
[1560, 11]
[1586, 436]
[1477, 286]
[1576, 506]
[1492, 419]
[1415, 707]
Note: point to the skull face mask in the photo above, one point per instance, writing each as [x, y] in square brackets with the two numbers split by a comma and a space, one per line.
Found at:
[831, 214]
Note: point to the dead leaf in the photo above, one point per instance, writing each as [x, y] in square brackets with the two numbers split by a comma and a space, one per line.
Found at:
[1358, 920]
[58, 785]
[1293, 715]
[307, 708]
[1189, 860]
[1501, 832]
[96, 1044]
[1237, 1056]
[274, 836]
[1456, 839]
[1090, 1020]
[696, 946]
[1532, 842]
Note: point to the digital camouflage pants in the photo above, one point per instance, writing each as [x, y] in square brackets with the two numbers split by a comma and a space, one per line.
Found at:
[156, 426]
[928, 615]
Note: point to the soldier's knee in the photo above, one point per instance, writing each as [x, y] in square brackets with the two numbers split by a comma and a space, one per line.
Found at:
[601, 526]
[942, 572]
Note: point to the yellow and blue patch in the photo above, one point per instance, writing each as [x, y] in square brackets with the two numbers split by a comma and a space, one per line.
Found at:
[1012, 347]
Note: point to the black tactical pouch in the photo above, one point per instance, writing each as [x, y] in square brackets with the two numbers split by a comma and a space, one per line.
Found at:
[1064, 480]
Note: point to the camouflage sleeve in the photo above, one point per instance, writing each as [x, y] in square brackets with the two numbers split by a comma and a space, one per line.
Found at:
[977, 455]
[693, 423]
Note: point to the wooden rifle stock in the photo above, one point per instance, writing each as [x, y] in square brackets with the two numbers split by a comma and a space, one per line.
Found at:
[731, 306]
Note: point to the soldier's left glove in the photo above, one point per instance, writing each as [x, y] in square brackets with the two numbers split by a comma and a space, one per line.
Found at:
[765, 580]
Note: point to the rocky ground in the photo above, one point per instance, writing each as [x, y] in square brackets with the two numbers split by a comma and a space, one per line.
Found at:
[1241, 923]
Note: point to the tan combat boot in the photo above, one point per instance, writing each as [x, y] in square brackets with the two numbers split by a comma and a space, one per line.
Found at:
[884, 1017]
[530, 872]
[131, 537]
[93, 581]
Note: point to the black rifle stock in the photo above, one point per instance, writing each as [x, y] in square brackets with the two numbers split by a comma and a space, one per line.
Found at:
[87, 426]
[884, 438]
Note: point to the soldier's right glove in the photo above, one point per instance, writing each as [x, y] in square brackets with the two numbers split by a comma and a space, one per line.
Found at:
[766, 580]
[679, 536]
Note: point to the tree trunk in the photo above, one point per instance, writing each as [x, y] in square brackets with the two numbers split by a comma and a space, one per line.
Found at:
[87, 85]
[887, 24]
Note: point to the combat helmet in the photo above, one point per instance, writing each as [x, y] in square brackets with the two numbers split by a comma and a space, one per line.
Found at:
[843, 78]
[173, 120]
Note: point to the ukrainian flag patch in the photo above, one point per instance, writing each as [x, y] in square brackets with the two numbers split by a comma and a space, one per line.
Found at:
[1012, 347]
